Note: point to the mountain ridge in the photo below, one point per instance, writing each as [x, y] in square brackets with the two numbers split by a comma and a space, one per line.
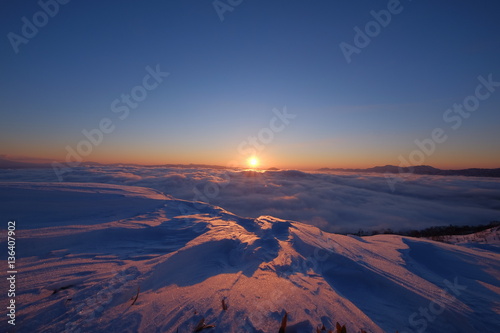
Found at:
[168, 267]
[423, 170]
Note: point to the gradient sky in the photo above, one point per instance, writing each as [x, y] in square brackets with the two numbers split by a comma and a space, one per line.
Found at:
[226, 77]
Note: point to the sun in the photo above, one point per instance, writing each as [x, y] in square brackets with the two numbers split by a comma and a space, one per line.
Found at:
[253, 161]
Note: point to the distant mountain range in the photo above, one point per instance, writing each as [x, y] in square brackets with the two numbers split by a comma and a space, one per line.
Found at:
[418, 170]
[10, 164]
[423, 170]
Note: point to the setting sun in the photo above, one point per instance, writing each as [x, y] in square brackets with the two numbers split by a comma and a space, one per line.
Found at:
[253, 162]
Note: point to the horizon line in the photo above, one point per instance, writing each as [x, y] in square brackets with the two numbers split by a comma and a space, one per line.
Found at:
[45, 163]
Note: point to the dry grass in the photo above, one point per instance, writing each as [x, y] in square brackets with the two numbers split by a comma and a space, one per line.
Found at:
[224, 305]
[136, 296]
[201, 325]
[283, 323]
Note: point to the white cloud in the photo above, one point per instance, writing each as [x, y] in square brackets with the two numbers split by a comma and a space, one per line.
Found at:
[335, 202]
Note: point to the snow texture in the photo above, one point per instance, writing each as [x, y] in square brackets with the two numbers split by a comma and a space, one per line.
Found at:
[87, 251]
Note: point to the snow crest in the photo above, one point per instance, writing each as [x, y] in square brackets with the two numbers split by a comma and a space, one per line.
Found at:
[138, 261]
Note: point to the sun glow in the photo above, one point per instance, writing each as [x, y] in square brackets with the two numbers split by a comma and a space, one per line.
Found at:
[253, 162]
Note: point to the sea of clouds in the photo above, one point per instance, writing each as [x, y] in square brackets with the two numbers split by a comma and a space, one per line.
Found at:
[337, 202]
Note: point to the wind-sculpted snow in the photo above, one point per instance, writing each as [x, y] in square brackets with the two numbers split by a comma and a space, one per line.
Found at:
[156, 269]
[36, 205]
[342, 202]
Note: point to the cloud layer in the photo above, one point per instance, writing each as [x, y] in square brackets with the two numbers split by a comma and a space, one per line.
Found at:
[338, 202]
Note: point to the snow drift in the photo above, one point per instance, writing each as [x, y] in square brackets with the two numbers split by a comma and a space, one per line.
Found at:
[109, 258]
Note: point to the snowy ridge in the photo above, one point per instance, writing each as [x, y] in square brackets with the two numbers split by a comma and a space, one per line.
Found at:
[489, 238]
[177, 260]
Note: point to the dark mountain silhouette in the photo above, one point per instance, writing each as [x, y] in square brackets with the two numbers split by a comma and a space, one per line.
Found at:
[424, 170]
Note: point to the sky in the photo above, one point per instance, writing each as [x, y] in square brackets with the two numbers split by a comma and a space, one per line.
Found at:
[295, 83]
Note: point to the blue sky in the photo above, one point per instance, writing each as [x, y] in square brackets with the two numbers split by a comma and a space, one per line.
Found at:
[227, 76]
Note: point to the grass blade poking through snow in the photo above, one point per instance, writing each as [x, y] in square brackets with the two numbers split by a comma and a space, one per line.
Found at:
[136, 296]
[56, 290]
[201, 325]
[224, 305]
[283, 323]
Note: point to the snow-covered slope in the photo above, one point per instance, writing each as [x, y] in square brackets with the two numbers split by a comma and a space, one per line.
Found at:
[107, 258]
[488, 239]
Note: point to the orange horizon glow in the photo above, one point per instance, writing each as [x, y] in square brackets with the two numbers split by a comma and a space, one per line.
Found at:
[288, 157]
[280, 162]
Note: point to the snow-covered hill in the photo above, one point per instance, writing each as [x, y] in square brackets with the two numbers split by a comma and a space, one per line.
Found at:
[109, 258]
[488, 239]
